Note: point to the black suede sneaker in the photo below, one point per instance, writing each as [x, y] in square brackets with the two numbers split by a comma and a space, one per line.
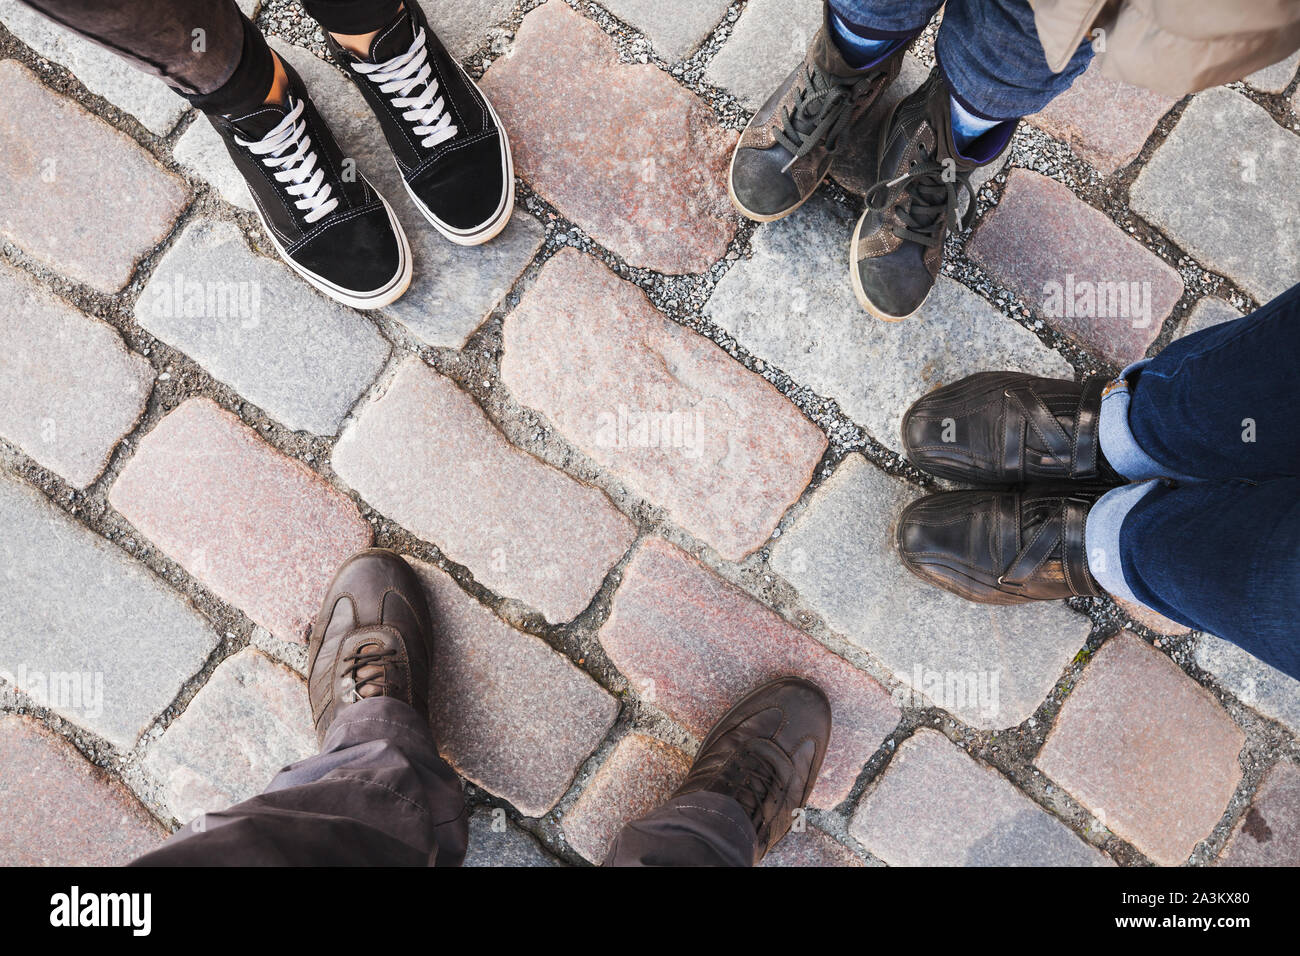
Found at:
[786, 150]
[339, 235]
[897, 247]
[450, 147]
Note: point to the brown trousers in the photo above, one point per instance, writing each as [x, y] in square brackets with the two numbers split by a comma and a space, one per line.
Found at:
[378, 794]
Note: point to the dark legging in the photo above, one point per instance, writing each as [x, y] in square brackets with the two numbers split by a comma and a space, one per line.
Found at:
[206, 50]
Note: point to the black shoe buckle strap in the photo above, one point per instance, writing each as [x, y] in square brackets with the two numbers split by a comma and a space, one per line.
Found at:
[1066, 529]
[1078, 450]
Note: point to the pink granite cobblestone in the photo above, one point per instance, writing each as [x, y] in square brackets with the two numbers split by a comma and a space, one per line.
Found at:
[76, 194]
[628, 154]
[509, 713]
[658, 404]
[640, 774]
[261, 530]
[1106, 122]
[1146, 749]
[1269, 833]
[692, 645]
[59, 809]
[1068, 261]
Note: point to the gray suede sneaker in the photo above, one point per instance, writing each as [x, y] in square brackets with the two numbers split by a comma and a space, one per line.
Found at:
[786, 150]
[897, 247]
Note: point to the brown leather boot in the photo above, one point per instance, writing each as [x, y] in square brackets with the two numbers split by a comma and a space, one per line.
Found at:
[786, 150]
[897, 247]
[372, 638]
[1009, 428]
[1001, 547]
[765, 753]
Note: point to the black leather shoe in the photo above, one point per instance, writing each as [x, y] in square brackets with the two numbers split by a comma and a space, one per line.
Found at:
[449, 144]
[1008, 428]
[339, 234]
[372, 638]
[765, 753]
[1001, 547]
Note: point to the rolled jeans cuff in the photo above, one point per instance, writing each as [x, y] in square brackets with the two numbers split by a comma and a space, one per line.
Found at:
[1116, 435]
[877, 21]
[1101, 534]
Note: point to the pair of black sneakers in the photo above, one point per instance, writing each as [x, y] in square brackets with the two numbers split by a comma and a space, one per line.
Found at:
[328, 223]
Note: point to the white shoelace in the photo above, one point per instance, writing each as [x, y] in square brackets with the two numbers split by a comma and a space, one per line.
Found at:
[295, 167]
[399, 76]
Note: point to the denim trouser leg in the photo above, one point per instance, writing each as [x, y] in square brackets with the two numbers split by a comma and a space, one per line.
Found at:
[988, 50]
[1221, 403]
[1218, 549]
[883, 20]
[1221, 557]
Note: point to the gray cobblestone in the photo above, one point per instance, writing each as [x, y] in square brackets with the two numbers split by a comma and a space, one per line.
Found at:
[840, 555]
[1206, 313]
[1275, 78]
[76, 608]
[789, 307]
[936, 807]
[1253, 682]
[768, 41]
[259, 328]
[250, 719]
[675, 27]
[1226, 147]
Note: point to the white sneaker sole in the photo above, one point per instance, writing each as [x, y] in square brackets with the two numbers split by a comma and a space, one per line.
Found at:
[492, 227]
[386, 294]
[861, 293]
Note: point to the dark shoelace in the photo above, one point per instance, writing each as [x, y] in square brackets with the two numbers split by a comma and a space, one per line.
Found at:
[363, 658]
[821, 112]
[935, 189]
[754, 779]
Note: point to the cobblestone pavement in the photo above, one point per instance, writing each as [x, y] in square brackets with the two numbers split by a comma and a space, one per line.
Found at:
[193, 438]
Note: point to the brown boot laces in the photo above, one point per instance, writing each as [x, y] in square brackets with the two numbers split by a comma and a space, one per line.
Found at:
[361, 658]
[934, 188]
[753, 779]
[821, 111]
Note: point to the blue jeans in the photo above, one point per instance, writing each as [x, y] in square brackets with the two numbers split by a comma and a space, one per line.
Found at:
[1211, 538]
[988, 50]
